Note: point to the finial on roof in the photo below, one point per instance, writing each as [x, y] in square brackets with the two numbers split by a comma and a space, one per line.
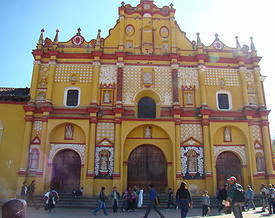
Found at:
[198, 40]
[40, 41]
[98, 35]
[78, 31]
[56, 36]
[217, 36]
[122, 4]
[238, 46]
[171, 5]
[252, 46]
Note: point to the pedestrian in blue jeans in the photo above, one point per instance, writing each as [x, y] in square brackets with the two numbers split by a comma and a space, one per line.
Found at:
[101, 202]
[184, 198]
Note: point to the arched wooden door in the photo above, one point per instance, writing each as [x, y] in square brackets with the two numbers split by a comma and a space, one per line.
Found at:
[146, 108]
[66, 171]
[146, 165]
[227, 165]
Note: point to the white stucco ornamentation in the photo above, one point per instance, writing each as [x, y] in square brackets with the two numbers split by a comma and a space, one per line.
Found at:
[239, 150]
[163, 78]
[111, 159]
[199, 151]
[37, 126]
[108, 74]
[249, 77]
[188, 77]
[229, 76]
[190, 130]
[105, 130]
[256, 133]
[78, 148]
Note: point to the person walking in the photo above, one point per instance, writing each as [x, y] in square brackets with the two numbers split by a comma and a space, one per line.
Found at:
[30, 192]
[24, 189]
[221, 197]
[153, 204]
[101, 202]
[140, 198]
[115, 196]
[205, 203]
[236, 196]
[184, 199]
[171, 199]
[50, 197]
[271, 199]
[249, 196]
[263, 193]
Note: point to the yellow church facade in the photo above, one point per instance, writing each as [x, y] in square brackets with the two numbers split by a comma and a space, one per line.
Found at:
[142, 105]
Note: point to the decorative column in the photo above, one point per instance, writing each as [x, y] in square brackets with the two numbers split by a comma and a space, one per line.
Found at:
[267, 148]
[175, 84]
[259, 90]
[117, 160]
[177, 170]
[119, 84]
[208, 164]
[121, 28]
[23, 167]
[50, 85]
[95, 82]
[35, 76]
[242, 71]
[201, 71]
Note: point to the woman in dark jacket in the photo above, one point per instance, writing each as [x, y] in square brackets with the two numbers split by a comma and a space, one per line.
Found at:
[184, 198]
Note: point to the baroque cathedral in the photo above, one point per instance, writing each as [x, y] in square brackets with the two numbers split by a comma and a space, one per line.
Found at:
[143, 105]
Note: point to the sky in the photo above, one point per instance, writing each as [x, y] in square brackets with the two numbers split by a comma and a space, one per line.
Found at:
[22, 20]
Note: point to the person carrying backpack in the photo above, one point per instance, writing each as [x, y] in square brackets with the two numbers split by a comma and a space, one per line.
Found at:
[236, 195]
[51, 197]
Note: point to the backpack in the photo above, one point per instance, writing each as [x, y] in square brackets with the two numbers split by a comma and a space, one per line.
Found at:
[239, 194]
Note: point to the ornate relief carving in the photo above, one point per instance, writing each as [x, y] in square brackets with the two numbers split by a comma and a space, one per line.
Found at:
[240, 150]
[80, 149]
[256, 133]
[190, 130]
[188, 77]
[163, 79]
[98, 161]
[199, 161]
[229, 76]
[105, 130]
[63, 73]
[37, 127]
[108, 75]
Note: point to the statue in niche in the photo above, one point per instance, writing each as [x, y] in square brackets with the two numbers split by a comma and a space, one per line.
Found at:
[189, 99]
[250, 88]
[227, 134]
[107, 98]
[104, 161]
[192, 163]
[147, 78]
[260, 163]
[43, 83]
[41, 96]
[251, 100]
[69, 131]
[148, 132]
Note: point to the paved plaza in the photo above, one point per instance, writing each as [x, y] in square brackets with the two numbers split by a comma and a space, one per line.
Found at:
[169, 213]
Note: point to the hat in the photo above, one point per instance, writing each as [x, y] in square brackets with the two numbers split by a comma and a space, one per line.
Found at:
[232, 178]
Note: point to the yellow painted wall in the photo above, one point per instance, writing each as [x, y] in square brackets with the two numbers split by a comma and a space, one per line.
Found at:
[10, 147]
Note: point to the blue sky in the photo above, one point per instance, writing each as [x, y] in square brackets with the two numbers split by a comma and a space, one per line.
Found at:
[22, 20]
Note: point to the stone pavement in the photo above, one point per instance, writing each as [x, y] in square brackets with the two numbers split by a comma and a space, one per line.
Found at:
[169, 213]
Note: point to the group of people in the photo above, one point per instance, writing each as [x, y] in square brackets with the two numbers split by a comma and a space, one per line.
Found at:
[77, 192]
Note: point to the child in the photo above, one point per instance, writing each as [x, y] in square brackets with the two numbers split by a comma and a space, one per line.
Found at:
[205, 203]
[170, 198]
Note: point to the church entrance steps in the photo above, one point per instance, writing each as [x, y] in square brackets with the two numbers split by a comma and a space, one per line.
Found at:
[89, 202]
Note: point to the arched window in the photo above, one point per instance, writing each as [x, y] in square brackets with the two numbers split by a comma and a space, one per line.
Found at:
[34, 159]
[146, 108]
[260, 164]
[1, 130]
[72, 97]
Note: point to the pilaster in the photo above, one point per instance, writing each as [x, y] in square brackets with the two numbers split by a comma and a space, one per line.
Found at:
[117, 160]
[259, 90]
[201, 72]
[35, 76]
[267, 149]
[52, 64]
[95, 82]
[244, 85]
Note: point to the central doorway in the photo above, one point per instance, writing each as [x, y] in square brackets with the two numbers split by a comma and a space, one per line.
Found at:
[228, 164]
[147, 165]
[66, 171]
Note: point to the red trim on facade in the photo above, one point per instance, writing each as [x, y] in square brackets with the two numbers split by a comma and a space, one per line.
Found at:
[146, 138]
[69, 118]
[74, 143]
[70, 111]
[191, 138]
[13, 102]
[178, 175]
[187, 145]
[145, 120]
[229, 145]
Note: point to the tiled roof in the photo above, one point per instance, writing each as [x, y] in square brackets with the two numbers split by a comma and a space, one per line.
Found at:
[14, 94]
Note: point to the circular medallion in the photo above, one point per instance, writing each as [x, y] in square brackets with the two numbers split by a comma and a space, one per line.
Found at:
[130, 30]
[218, 45]
[78, 40]
[164, 31]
